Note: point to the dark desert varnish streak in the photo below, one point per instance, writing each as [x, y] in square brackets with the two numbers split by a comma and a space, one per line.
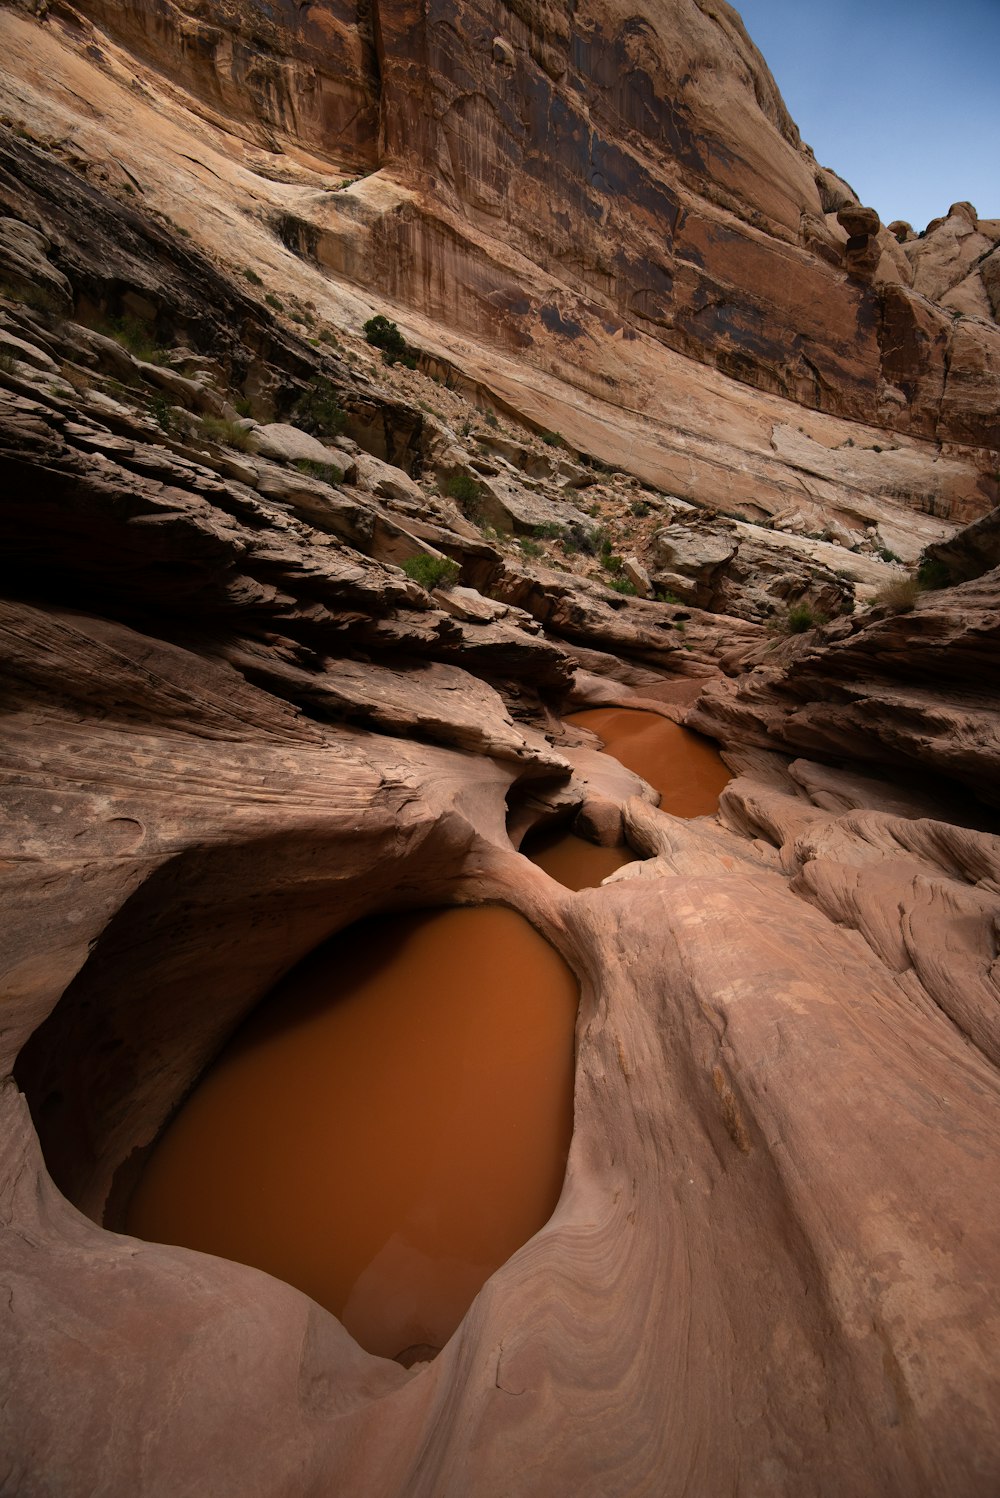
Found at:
[385, 1130]
[686, 769]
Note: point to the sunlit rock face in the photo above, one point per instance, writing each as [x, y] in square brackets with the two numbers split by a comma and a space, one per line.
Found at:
[550, 177]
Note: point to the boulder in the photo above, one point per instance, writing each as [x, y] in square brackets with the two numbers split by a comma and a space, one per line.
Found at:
[290, 445]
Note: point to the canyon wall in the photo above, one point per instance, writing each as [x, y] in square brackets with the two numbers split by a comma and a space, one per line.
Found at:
[547, 177]
[674, 396]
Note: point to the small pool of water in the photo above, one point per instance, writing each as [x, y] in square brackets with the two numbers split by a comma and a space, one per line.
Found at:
[387, 1128]
[571, 860]
[685, 768]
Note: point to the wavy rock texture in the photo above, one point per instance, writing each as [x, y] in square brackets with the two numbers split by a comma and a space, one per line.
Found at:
[231, 724]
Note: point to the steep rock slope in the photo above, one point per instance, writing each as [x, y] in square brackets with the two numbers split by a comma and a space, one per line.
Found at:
[548, 176]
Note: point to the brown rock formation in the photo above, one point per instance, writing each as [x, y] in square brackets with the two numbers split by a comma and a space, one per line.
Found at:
[913, 688]
[231, 724]
[671, 202]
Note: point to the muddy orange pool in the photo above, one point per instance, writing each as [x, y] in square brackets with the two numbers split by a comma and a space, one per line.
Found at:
[571, 860]
[387, 1128]
[686, 769]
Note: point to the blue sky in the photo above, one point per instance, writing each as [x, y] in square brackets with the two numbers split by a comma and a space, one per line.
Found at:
[900, 97]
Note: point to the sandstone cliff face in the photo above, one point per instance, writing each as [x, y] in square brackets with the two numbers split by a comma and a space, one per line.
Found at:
[231, 724]
[672, 200]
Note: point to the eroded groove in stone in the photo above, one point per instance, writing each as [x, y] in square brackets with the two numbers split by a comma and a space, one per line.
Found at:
[685, 768]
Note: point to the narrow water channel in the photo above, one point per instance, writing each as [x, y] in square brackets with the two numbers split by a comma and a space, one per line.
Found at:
[387, 1128]
[685, 768]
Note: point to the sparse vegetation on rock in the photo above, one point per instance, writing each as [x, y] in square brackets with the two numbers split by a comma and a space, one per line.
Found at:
[386, 337]
[899, 595]
[318, 410]
[432, 572]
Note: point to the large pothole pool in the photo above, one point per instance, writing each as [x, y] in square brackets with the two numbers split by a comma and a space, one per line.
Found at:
[387, 1128]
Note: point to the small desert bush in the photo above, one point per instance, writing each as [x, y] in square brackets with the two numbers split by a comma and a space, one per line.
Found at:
[318, 411]
[899, 595]
[463, 488]
[252, 276]
[329, 473]
[577, 538]
[133, 334]
[274, 301]
[39, 298]
[799, 618]
[933, 573]
[225, 433]
[624, 585]
[162, 412]
[432, 572]
[386, 337]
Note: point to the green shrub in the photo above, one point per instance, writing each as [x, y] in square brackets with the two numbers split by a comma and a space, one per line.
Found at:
[462, 487]
[640, 508]
[225, 433]
[886, 554]
[318, 411]
[37, 297]
[529, 547]
[551, 439]
[252, 276]
[577, 538]
[933, 573]
[490, 419]
[133, 334]
[432, 572]
[274, 301]
[624, 585]
[162, 412]
[385, 336]
[801, 617]
[329, 473]
[547, 530]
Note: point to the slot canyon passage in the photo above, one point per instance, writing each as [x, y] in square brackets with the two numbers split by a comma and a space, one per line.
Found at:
[308, 630]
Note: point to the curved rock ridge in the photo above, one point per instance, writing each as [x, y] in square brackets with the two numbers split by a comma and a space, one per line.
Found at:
[286, 638]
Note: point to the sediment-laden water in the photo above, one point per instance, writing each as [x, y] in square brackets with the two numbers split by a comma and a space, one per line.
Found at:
[387, 1128]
